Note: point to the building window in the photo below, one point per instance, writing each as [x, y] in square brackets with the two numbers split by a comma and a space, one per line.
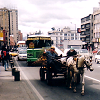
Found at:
[88, 18]
[56, 33]
[65, 34]
[87, 25]
[68, 34]
[65, 38]
[82, 20]
[72, 38]
[82, 26]
[72, 34]
[94, 35]
[82, 33]
[97, 16]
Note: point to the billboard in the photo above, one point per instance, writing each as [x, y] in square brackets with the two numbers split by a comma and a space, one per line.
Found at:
[78, 30]
[1, 35]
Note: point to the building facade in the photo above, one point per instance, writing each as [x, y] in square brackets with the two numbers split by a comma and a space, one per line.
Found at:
[20, 36]
[87, 31]
[4, 25]
[57, 37]
[96, 27]
[62, 37]
[9, 25]
[14, 24]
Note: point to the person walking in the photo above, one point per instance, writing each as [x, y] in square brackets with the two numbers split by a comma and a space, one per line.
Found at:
[6, 58]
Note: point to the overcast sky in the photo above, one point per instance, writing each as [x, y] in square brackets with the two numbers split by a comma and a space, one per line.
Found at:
[35, 15]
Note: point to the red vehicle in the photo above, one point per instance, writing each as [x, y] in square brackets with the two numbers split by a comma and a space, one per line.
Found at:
[95, 51]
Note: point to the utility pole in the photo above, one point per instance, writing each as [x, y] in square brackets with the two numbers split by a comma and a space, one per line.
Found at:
[75, 30]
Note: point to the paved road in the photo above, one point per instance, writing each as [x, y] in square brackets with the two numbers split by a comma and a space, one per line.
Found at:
[58, 90]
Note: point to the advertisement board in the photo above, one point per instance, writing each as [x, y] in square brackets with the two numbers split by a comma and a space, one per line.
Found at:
[78, 30]
[1, 35]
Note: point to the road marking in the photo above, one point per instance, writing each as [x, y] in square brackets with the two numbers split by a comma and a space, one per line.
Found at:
[31, 85]
[92, 78]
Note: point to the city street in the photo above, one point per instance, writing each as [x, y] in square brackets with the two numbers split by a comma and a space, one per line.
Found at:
[57, 37]
[58, 90]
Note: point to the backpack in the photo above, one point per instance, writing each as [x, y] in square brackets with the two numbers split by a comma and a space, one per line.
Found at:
[4, 53]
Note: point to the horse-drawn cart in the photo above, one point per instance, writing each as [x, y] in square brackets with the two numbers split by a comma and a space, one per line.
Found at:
[49, 72]
[72, 68]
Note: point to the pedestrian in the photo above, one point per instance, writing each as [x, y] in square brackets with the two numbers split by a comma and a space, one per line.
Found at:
[71, 52]
[6, 58]
[2, 55]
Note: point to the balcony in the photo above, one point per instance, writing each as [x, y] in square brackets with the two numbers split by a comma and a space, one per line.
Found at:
[82, 36]
[83, 30]
[86, 22]
[87, 33]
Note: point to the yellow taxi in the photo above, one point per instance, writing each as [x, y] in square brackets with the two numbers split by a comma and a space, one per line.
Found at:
[13, 53]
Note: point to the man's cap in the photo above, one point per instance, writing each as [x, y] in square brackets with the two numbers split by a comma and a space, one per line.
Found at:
[71, 48]
[52, 47]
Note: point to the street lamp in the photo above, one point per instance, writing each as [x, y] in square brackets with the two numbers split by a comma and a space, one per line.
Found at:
[75, 29]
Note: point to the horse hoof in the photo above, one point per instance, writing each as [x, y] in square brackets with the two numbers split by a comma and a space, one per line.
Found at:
[74, 90]
[82, 93]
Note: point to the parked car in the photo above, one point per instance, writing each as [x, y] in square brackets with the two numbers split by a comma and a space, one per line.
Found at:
[13, 53]
[22, 55]
[84, 52]
[21, 48]
[95, 51]
[97, 57]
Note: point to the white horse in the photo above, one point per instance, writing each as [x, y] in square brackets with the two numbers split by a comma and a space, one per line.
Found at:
[76, 67]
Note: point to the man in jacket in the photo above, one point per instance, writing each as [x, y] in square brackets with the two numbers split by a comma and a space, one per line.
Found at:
[51, 61]
[5, 53]
[71, 52]
[51, 55]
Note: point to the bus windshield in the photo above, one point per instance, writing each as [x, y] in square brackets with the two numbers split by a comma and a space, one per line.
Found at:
[38, 42]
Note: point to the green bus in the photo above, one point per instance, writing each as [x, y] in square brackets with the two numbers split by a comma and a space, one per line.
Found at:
[36, 45]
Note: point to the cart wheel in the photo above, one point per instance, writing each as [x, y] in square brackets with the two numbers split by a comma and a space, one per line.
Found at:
[78, 78]
[42, 74]
[49, 78]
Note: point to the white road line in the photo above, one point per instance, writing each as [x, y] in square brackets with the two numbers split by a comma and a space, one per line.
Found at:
[92, 78]
[31, 85]
[34, 89]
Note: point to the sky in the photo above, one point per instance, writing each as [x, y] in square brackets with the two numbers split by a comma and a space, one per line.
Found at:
[35, 15]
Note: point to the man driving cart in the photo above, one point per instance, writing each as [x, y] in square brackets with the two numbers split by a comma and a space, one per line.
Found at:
[51, 60]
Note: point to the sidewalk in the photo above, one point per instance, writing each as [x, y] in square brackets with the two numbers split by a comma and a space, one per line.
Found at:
[14, 90]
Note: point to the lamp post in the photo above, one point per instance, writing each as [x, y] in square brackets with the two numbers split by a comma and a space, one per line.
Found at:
[75, 29]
